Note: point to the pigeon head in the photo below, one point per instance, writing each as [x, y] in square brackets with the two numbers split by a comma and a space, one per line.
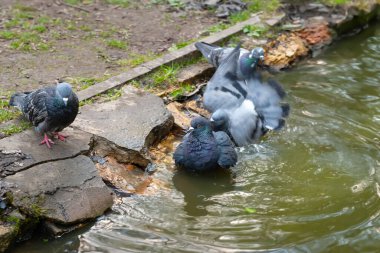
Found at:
[249, 61]
[64, 91]
[200, 124]
[257, 54]
[219, 120]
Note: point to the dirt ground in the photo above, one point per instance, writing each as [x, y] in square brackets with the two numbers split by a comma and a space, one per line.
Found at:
[41, 41]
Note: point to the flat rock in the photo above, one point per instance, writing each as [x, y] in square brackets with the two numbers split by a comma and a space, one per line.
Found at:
[22, 150]
[132, 123]
[65, 192]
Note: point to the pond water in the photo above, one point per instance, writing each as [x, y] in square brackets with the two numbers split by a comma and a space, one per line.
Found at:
[313, 187]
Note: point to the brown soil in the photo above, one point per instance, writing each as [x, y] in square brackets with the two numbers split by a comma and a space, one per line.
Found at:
[78, 39]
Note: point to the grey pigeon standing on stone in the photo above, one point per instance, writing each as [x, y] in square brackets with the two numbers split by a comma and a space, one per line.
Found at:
[202, 149]
[244, 108]
[247, 61]
[50, 109]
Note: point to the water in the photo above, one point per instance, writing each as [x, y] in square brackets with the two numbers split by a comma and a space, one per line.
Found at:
[313, 187]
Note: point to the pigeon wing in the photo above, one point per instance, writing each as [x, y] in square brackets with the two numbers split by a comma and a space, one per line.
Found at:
[267, 98]
[35, 106]
[227, 156]
[224, 90]
[245, 124]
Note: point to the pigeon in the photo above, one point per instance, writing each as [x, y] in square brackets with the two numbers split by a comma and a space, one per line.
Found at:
[244, 108]
[247, 61]
[50, 109]
[202, 149]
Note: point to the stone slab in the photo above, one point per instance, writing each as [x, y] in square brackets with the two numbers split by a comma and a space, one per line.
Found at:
[66, 191]
[133, 122]
[22, 150]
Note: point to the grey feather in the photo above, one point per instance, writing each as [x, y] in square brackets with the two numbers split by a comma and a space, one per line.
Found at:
[245, 108]
[202, 149]
[45, 108]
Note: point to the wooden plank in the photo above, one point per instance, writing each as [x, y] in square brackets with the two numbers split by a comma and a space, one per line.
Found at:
[145, 68]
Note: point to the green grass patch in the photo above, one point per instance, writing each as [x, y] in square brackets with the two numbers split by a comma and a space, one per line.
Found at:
[8, 35]
[267, 6]
[165, 76]
[218, 27]
[39, 28]
[122, 3]
[12, 23]
[117, 44]
[6, 113]
[180, 45]
[81, 83]
[135, 60]
[29, 41]
[255, 30]
[185, 88]
[172, 3]
[13, 129]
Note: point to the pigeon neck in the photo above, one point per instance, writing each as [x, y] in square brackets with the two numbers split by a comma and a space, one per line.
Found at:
[247, 64]
[202, 132]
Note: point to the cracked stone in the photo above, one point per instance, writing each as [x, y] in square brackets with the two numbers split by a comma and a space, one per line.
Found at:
[129, 125]
[65, 192]
[22, 150]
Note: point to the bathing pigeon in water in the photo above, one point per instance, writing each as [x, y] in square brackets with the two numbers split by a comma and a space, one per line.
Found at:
[202, 149]
[247, 61]
[244, 108]
[49, 109]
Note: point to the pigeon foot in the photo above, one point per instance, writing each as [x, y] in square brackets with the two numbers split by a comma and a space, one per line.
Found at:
[60, 136]
[46, 141]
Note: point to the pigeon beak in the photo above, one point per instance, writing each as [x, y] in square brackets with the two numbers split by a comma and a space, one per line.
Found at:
[191, 128]
[65, 101]
[212, 120]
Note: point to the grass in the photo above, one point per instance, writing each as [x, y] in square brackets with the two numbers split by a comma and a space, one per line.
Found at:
[183, 89]
[172, 3]
[29, 41]
[25, 28]
[8, 35]
[180, 45]
[122, 3]
[267, 6]
[116, 44]
[5, 112]
[135, 60]
[255, 30]
[165, 76]
[13, 129]
[81, 83]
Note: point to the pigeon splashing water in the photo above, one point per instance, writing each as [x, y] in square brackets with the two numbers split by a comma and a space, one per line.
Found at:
[50, 109]
[244, 108]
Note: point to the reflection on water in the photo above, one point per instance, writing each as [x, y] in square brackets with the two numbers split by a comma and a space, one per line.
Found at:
[314, 186]
[198, 189]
